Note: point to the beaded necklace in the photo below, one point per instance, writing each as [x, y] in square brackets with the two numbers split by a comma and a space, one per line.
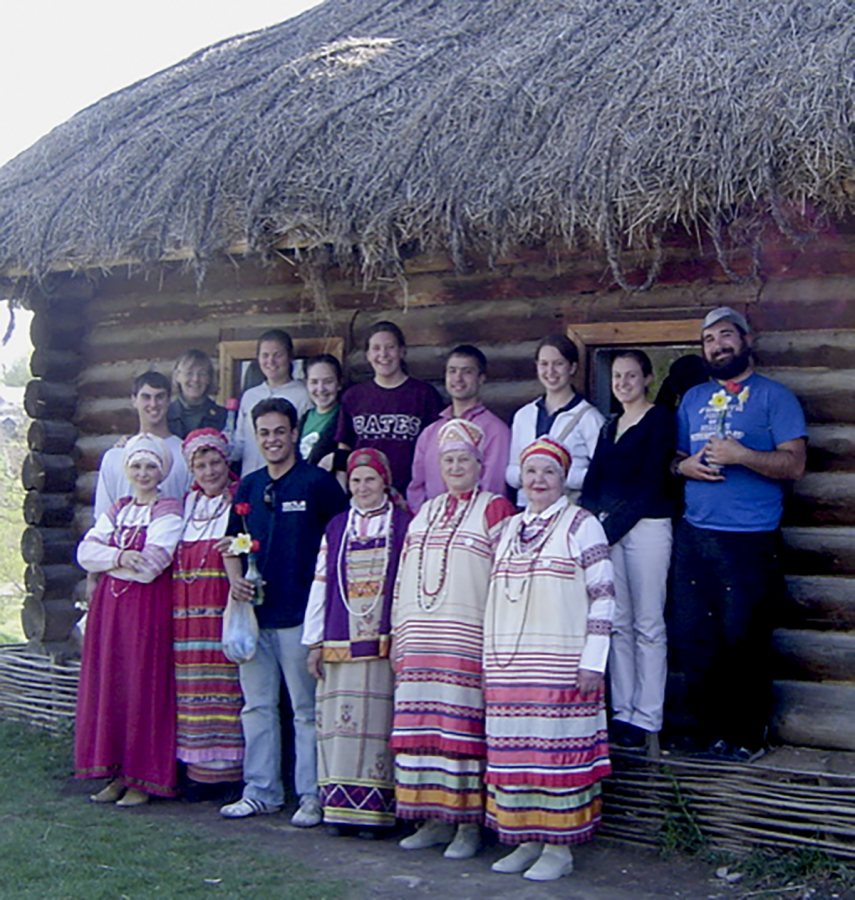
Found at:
[344, 556]
[207, 521]
[430, 599]
[516, 548]
[125, 538]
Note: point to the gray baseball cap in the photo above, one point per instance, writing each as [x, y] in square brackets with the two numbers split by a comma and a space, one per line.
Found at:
[725, 312]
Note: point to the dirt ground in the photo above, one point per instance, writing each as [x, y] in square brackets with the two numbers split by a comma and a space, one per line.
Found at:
[604, 869]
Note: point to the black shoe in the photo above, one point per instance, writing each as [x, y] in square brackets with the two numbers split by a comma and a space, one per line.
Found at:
[724, 750]
[631, 737]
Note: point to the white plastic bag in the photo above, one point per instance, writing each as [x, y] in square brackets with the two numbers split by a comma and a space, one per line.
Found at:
[240, 631]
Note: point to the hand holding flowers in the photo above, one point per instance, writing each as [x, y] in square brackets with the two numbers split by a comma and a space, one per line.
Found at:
[243, 543]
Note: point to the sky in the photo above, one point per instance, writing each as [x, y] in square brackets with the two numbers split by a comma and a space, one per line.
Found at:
[60, 56]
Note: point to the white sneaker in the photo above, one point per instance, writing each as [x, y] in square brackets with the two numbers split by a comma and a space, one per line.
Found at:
[554, 863]
[246, 807]
[309, 813]
[466, 843]
[428, 834]
[518, 860]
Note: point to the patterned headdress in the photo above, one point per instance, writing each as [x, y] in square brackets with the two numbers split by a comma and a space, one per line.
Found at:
[374, 459]
[544, 446]
[461, 434]
[151, 447]
[204, 439]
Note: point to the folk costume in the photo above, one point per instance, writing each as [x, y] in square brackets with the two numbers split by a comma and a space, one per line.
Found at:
[348, 616]
[125, 720]
[437, 622]
[548, 615]
[209, 697]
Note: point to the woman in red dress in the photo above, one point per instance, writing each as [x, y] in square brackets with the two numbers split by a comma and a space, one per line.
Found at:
[125, 724]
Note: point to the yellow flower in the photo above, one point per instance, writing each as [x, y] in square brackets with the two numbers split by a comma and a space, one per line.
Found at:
[719, 400]
[242, 543]
[743, 395]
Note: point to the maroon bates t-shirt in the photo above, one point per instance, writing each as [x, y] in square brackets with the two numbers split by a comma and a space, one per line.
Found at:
[389, 419]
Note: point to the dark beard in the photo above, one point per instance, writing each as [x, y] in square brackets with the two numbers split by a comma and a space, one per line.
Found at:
[729, 368]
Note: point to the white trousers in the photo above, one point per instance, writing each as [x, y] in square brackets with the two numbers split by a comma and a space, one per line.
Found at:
[638, 657]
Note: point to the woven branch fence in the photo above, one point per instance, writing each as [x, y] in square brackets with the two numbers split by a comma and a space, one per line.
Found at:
[729, 806]
[36, 689]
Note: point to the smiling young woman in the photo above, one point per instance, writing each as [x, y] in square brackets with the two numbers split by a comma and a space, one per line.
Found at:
[391, 410]
[628, 488]
[560, 413]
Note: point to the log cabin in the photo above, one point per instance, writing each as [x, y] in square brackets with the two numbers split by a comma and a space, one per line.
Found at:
[487, 173]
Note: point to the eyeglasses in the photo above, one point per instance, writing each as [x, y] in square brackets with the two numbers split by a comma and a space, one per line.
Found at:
[268, 496]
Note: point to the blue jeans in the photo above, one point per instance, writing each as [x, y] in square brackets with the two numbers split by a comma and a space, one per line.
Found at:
[278, 649]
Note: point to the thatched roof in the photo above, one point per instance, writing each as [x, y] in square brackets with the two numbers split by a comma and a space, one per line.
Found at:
[455, 124]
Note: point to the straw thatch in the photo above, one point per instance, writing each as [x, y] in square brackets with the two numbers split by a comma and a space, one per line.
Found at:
[370, 124]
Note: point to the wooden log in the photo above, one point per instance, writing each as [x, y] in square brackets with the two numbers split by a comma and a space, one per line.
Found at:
[828, 550]
[814, 655]
[831, 447]
[51, 473]
[84, 517]
[823, 498]
[84, 491]
[825, 349]
[815, 715]
[52, 582]
[48, 621]
[48, 546]
[55, 365]
[48, 510]
[826, 394]
[825, 601]
[50, 400]
[51, 436]
[57, 329]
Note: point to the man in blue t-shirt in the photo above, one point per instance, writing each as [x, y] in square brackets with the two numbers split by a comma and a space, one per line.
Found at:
[740, 440]
[285, 506]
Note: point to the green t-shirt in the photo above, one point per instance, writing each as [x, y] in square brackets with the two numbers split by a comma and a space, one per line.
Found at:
[314, 427]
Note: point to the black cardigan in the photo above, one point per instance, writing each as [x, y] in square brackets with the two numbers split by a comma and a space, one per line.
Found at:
[629, 478]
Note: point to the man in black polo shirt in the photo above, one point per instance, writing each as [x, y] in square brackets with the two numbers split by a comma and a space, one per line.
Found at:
[289, 504]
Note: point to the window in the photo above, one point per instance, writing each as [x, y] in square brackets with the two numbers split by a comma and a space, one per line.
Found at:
[238, 369]
[663, 341]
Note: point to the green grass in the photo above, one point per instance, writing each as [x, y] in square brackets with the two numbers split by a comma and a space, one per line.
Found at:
[11, 631]
[60, 847]
[12, 452]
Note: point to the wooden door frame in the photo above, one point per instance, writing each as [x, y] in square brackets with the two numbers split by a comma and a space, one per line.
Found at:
[639, 334]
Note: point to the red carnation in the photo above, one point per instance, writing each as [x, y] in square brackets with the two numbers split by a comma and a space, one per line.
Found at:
[242, 509]
[733, 387]
[255, 546]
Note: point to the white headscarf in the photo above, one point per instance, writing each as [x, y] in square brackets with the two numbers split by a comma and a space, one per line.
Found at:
[150, 447]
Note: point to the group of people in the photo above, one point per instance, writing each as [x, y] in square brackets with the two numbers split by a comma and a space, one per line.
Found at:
[444, 650]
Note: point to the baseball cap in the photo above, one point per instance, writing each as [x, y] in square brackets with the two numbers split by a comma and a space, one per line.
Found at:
[725, 312]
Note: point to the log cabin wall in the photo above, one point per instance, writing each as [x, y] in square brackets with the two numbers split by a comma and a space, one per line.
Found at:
[803, 312]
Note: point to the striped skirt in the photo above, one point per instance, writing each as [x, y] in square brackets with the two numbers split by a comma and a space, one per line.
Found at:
[209, 740]
[438, 730]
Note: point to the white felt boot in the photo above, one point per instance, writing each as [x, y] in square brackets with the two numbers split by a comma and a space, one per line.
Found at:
[554, 862]
[466, 843]
[428, 834]
[519, 860]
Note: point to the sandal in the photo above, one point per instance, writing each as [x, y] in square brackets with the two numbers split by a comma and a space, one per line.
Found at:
[109, 794]
[132, 797]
